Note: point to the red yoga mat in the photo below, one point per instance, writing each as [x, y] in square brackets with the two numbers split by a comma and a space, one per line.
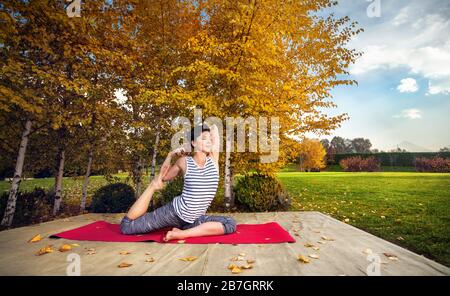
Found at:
[267, 233]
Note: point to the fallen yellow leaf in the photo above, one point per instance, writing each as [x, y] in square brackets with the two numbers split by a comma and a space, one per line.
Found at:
[124, 264]
[302, 259]
[246, 266]
[236, 270]
[35, 238]
[151, 259]
[367, 251]
[75, 245]
[231, 266]
[124, 252]
[91, 251]
[65, 248]
[189, 258]
[308, 245]
[250, 261]
[314, 256]
[45, 250]
[391, 256]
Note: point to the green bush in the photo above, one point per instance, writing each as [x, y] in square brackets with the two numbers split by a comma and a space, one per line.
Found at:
[171, 190]
[260, 192]
[31, 207]
[113, 198]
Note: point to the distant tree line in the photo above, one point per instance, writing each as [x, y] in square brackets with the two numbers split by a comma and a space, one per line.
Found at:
[339, 148]
[339, 145]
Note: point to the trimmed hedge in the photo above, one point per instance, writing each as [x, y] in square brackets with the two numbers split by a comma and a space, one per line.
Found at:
[113, 198]
[392, 158]
[171, 190]
[31, 207]
[259, 192]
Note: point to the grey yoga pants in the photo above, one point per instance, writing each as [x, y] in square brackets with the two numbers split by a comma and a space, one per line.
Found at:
[165, 216]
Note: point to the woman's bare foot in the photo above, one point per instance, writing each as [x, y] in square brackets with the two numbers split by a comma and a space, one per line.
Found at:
[175, 233]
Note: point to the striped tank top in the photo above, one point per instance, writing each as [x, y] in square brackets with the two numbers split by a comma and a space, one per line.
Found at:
[199, 189]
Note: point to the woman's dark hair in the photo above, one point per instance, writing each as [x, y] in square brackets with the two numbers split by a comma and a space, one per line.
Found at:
[204, 128]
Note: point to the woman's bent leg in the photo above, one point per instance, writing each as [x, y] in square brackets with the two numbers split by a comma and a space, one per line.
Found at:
[228, 223]
[162, 217]
[140, 206]
[205, 226]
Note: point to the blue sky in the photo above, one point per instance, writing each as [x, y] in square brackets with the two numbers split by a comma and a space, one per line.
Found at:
[403, 75]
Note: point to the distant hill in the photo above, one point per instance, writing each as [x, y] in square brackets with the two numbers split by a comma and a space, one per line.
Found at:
[411, 147]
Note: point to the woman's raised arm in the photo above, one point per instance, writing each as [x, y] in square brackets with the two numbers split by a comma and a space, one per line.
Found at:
[215, 139]
[168, 171]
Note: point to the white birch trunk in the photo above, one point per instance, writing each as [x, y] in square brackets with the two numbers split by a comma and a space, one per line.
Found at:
[58, 182]
[227, 173]
[138, 177]
[12, 199]
[155, 153]
[86, 181]
[153, 167]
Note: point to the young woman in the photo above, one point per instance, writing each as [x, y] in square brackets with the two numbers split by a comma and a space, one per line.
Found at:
[187, 212]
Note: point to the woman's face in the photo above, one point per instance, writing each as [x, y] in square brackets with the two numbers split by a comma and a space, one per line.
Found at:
[203, 142]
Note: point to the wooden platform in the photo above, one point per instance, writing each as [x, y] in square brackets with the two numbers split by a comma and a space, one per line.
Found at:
[343, 251]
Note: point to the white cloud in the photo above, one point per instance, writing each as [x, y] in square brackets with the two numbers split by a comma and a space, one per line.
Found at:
[421, 44]
[408, 85]
[410, 114]
[402, 17]
[440, 87]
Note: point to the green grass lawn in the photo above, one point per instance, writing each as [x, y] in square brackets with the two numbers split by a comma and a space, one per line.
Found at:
[292, 167]
[409, 209]
[72, 186]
